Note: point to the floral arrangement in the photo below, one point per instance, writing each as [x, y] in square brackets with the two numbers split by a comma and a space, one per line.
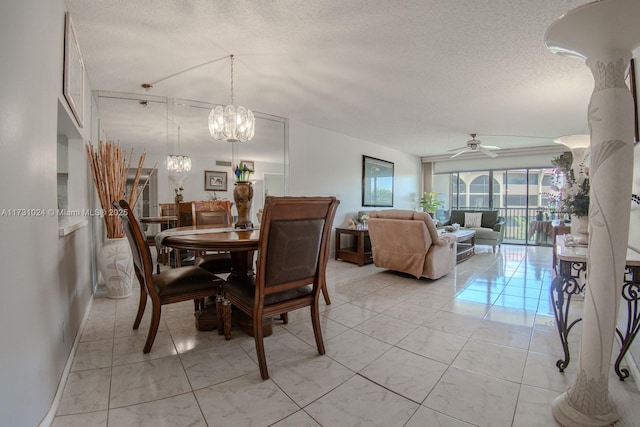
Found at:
[242, 172]
[179, 190]
[574, 195]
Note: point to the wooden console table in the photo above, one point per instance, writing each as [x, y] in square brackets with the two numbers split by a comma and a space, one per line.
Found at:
[358, 250]
[571, 281]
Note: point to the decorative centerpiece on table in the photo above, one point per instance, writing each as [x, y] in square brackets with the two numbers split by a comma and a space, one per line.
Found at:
[243, 195]
[109, 168]
[359, 222]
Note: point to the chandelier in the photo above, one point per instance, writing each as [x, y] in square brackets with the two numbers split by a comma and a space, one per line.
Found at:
[231, 123]
[177, 163]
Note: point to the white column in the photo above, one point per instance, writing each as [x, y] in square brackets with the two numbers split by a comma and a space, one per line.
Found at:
[587, 402]
[604, 33]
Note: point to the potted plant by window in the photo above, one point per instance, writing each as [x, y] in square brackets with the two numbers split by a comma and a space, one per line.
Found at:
[430, 202]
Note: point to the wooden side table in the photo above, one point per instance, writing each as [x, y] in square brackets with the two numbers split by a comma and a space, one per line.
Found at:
[358, 249]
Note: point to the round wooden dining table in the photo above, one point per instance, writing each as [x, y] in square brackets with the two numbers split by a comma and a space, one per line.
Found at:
[239, 242]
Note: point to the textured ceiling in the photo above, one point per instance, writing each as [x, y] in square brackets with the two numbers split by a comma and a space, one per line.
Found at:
[418, 76]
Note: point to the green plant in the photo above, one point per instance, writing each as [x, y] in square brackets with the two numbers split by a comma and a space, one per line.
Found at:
[242, 172]
[563, 161]
[430, 201]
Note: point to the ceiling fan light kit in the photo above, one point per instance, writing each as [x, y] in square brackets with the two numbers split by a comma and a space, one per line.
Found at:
[476, 145]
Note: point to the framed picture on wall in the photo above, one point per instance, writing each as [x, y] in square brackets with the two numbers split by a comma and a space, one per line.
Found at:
[377, 182]
[73, 82]
[215, 181]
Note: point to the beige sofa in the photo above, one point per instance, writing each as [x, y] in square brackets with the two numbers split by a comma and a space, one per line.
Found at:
[408, 241]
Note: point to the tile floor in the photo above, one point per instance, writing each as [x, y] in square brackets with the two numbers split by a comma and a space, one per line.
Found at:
[476, 348]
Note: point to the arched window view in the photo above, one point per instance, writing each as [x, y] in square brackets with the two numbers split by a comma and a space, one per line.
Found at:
[522, 196]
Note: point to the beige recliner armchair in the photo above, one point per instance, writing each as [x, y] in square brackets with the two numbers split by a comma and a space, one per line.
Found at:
[408, 241]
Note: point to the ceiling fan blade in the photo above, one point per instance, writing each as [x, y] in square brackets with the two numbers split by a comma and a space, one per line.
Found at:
[460, 152]
[459, 148]
[490, 147]
[487, 152]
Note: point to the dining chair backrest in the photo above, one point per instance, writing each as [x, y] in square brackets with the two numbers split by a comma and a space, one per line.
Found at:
[212, 217]
[213, 205]
[295, 232]
[186, 214]
[167, 209]
[142, 261]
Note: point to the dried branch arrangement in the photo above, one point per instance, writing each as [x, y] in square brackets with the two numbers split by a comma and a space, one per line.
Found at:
[109, 168]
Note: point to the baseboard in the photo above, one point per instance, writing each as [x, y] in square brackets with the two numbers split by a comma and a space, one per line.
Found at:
[48, 419]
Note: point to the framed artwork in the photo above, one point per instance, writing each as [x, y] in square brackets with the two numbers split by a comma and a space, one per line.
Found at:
[215, 181]
[377, 182]
[73, 83]
[249, 163]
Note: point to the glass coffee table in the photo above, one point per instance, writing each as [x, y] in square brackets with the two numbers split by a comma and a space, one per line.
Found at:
[466, 244]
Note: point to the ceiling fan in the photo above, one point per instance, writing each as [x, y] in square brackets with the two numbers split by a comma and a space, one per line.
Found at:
[476, 145]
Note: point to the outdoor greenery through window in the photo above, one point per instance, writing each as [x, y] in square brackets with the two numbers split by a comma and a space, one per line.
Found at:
[522, 197]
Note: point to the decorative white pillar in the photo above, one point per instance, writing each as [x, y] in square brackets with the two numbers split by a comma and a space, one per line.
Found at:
[604, 33]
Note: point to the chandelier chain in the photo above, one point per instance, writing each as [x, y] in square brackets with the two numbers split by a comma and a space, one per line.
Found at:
[232, 103]
[232, 123]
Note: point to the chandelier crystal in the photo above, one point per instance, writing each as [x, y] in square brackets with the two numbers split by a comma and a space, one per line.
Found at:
[178, 163]
[231, 123]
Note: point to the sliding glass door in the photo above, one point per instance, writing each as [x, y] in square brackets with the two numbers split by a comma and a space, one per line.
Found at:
[522, 196]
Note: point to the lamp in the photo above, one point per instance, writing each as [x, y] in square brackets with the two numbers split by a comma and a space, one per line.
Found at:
[177, 163]
[232, 123]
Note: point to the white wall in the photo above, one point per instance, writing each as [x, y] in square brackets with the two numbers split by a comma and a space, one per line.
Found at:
[321, 162]
[46, 282]
[325, 163]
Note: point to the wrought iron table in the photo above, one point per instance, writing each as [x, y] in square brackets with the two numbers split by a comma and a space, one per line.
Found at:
[571, 281]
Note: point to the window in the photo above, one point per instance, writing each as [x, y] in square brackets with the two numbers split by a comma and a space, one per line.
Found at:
[480, 185]
[516, 193]
[459, 197]
[516, 178]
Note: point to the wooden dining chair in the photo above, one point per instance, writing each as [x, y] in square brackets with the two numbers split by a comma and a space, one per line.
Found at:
[170, 286]
[186, 214]
[217, 262]
[164, 209]
[290, 269]
[213, 205]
